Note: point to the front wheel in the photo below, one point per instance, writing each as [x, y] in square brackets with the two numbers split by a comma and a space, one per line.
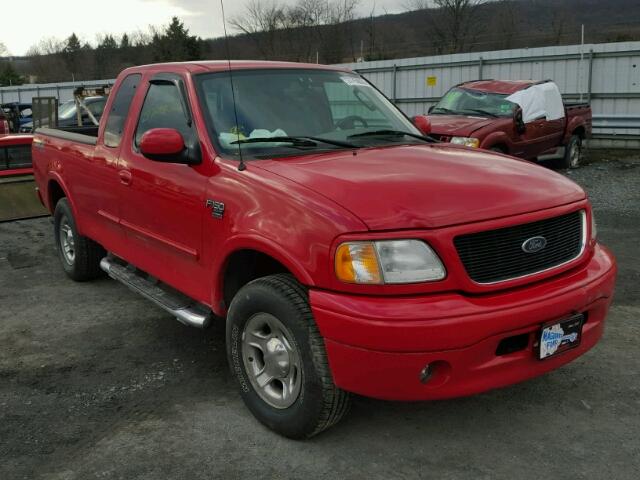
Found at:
[278, 357]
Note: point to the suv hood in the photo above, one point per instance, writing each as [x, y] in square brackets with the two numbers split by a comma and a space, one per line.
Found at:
[457, 125]
[427, 186]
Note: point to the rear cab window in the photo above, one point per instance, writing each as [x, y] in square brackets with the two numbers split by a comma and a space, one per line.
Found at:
[120, 110]
[15, 157]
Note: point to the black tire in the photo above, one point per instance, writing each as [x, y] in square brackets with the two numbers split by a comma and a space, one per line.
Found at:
[573, 153]
[497, 150]
[319, 404]
[85, 262]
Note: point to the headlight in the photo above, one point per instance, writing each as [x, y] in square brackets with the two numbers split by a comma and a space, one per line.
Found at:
[594, 228]
[388, 261]
[466, 141]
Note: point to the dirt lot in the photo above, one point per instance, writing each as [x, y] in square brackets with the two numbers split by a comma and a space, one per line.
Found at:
[96, 382]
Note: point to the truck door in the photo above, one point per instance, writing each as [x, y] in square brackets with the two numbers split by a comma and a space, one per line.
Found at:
[162, 204]
[100, 198]
[531, 142]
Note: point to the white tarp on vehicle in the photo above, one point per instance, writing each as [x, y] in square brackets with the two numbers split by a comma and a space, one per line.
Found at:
[539, 101]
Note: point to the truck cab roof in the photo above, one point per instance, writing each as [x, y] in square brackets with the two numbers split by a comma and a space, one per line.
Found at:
[505, 87]
[195, 67]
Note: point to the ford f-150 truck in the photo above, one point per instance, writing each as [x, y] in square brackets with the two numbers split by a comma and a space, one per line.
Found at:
[346, 251]
[521, 118]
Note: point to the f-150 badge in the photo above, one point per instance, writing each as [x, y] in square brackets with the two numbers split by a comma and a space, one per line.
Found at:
[217, 208]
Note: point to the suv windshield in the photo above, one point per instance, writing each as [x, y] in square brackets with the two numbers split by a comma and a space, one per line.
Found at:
[67, 109]
[460, 101]
[297, 110]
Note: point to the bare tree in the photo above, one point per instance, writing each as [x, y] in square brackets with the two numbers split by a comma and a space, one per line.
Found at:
[453, 24]
[415, 5]
[505, 22]
[261, 21]
[560, 18]
[299, 31]
[46, 62]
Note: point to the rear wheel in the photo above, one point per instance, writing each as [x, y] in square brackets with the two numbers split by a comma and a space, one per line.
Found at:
[278, 357]
[80, 256]
[573, 153]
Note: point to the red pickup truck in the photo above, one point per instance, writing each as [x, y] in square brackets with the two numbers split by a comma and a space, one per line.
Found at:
[345, 251]
[5, 128]
[525, 119]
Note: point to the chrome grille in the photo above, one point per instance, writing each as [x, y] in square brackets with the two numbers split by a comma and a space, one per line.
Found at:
[498, 255]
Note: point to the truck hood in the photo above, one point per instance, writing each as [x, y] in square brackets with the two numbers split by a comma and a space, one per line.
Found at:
[427, 186]
[456, 125]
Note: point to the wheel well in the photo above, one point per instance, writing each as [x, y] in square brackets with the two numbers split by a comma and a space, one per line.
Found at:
[244, 266]
[580, 131]
[55, 194]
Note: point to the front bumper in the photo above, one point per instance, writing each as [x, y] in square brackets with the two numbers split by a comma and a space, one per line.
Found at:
[378, 346]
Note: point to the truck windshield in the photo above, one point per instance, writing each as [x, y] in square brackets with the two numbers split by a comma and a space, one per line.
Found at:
[460, 101]
[298, 110]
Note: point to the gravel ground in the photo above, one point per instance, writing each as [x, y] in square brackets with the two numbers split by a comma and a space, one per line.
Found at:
[97, 383]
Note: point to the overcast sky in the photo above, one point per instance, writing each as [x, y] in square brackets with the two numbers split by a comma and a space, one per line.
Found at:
[58, 18]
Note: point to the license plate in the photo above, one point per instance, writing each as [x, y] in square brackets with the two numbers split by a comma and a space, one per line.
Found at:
[560, 336]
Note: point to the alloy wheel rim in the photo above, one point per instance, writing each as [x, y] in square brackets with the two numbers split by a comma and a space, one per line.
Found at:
[575, 154]
[272, 360]
[67, 242]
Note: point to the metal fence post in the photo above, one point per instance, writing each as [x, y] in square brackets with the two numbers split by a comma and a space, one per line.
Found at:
[395, 77]
[1, 96]
[58, 91]
[480, 65]
[590, 77]
[19, 97]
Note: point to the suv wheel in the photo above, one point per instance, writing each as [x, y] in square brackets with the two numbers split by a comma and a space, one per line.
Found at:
[278, 357]
[573, 153]
[80, 256]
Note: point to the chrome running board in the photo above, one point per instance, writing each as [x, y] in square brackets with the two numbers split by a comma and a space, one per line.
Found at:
[185, 309]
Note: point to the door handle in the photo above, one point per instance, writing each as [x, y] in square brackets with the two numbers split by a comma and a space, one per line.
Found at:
[125, 177]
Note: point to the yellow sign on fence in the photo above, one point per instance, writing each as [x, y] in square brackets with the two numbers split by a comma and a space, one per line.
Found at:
[432, 81]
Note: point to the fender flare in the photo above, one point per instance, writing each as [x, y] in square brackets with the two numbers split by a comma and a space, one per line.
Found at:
[495, 138]
[259, 244]
[572, 126]
[56, 177]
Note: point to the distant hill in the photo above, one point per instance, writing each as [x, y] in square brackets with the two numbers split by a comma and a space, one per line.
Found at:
[498, 25]
[494, 25]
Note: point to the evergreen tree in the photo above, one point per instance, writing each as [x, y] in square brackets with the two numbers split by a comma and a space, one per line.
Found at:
[106, 57]
[71, 53]
[125, 42]
[175, 44]
[9, 76]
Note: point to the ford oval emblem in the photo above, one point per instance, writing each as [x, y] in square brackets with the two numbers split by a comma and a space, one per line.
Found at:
[534, 244]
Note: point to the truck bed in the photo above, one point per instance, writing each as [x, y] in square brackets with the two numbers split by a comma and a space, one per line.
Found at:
[87, 135]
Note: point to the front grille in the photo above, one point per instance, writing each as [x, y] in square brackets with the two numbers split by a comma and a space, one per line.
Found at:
[498, 255]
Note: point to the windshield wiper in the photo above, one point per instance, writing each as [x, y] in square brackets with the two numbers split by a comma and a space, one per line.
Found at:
[301, 141]
[375, 133]
[482, 112]
[298, 142]
[337, 143]
[443, 109]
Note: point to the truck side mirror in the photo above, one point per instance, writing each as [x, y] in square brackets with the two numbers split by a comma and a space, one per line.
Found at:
[519, 122]
[166, 145]
[422, 123]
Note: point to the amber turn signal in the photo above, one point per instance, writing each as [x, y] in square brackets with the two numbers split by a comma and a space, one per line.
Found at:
[357, 262]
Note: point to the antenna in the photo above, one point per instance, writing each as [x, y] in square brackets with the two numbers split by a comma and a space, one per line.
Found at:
[241, 165]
